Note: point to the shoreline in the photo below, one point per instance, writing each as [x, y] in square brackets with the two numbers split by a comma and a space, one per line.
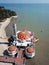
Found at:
[3, 25]
[3, 37]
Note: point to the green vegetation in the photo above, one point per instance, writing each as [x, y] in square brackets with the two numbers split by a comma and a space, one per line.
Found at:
[6, 13]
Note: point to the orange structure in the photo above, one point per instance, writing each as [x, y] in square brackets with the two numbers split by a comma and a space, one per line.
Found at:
[11, 48]
[23, 35]
[30, 50]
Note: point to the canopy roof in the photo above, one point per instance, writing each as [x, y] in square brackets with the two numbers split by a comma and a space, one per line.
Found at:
[30, 49]
[11, 48]
[23, 35]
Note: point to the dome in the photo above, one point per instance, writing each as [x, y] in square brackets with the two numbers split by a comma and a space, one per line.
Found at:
[23, 35]
[30, 50]
[11, 48]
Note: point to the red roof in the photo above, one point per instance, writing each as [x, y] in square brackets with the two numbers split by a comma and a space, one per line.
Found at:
[23, 35]
[30, 50]
[11, 48]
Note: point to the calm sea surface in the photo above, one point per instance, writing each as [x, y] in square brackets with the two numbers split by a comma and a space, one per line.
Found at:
[34, 17]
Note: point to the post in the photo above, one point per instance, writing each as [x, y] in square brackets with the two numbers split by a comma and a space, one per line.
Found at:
[14, 29]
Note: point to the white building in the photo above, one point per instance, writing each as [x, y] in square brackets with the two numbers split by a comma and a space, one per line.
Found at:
[29, 52]
[12, 50]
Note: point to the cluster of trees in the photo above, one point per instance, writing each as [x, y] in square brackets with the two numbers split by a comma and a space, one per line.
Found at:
[6, 13]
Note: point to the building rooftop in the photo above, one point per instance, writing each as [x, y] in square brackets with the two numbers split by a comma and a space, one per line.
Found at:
[11, 48]
[23, 35]
[30, 49]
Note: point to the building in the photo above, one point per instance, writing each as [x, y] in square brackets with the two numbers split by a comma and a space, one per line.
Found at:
[12, 50]
[29, 52]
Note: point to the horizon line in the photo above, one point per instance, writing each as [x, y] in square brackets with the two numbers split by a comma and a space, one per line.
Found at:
[23, 3]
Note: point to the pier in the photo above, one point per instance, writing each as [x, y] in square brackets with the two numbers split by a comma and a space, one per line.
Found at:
[19, 60]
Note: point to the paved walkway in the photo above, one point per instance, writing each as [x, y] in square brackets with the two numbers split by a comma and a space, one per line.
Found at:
[17, 60]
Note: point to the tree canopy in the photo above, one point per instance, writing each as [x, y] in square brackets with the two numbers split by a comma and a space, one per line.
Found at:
[6, 13]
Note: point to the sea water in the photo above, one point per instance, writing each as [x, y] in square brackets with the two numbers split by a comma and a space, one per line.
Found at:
[34, 17]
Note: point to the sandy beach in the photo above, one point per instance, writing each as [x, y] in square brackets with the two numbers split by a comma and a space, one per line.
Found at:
[3, 37]
[3, 25]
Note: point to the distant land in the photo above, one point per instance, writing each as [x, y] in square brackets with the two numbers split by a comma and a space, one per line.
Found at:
[6, 13]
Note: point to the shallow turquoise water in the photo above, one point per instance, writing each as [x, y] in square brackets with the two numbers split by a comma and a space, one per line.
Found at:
[34, 17]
